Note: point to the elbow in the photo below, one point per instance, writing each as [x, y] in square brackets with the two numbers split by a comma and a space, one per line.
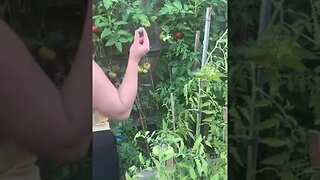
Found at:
[72, 148]
[121, 115]
[125, 116]
[73, 154]
[69, 157]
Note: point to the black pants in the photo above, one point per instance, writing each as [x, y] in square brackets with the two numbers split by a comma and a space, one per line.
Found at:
[105, 159]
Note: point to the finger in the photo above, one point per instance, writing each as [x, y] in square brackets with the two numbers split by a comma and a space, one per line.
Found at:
[146, 38]
[141, 34]
[136, 36]
[140, 30]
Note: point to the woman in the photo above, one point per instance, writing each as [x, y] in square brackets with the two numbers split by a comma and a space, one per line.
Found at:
[37, 119]
[114, 104]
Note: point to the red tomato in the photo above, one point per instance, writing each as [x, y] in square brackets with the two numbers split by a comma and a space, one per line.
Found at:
[95, 29]
[178, 35]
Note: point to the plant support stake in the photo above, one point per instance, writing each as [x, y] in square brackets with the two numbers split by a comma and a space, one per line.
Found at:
[206, 37]
[203, 61]
[172, 111]
[170, 161]
[265, 14]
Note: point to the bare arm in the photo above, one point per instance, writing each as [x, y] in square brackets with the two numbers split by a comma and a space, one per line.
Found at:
[32, 110]
[117, 103]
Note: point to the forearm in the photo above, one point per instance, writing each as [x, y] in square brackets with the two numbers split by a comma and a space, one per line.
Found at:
[117, 103]
[112, 102]
[128, 88]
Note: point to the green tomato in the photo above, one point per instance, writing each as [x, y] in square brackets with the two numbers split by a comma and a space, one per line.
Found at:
[155, 151]
[169, 151]
[46, 54]
[112, 75]
[162, 36]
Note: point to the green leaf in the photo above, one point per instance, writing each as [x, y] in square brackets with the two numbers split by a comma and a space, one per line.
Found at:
[245, 113]
[305, 54]
[263, 103]
[137, 135]
[207, 112]
[205, 104]
[275, 160]
[269, 123]
[106, 32]
[205, 167]
[141, 158]
[220, 18]
[119, 46]
[199, 167]
[208, 143]
[122, 32]
[178, 5]
[197, 143]
[286, 175]
[123, 40]
[128, 177]
[293, 62]
[236, 156]
[157, 163]
[165, 28]
[234, 113]
[215, 177]
[153, 18]
[273, 142]
[192, 173]
[274, 84]
[107, 3]
[111, 42]
[121, 23]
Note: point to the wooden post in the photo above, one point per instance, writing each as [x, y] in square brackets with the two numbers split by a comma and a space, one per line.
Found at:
[170, 162]
[203, 62]
[196, 41]
[314, 152]
[225, 118]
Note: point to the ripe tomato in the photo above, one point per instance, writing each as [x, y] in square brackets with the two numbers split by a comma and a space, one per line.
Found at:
[178, 35]
[95, 29]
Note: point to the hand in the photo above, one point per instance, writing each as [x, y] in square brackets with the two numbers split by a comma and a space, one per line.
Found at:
[140, 46]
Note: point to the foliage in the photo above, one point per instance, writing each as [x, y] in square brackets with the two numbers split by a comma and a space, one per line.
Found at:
[194, 156]
[274, 77]
[112, 17]
[194, 144]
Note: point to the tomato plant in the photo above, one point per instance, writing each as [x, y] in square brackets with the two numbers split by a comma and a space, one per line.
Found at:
[273, 100]
[174, 76]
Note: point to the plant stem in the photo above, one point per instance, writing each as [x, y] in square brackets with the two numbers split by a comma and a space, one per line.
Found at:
[250, 158]
[154, 89]
[141, 118]
[198, 125]
[172, 111]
